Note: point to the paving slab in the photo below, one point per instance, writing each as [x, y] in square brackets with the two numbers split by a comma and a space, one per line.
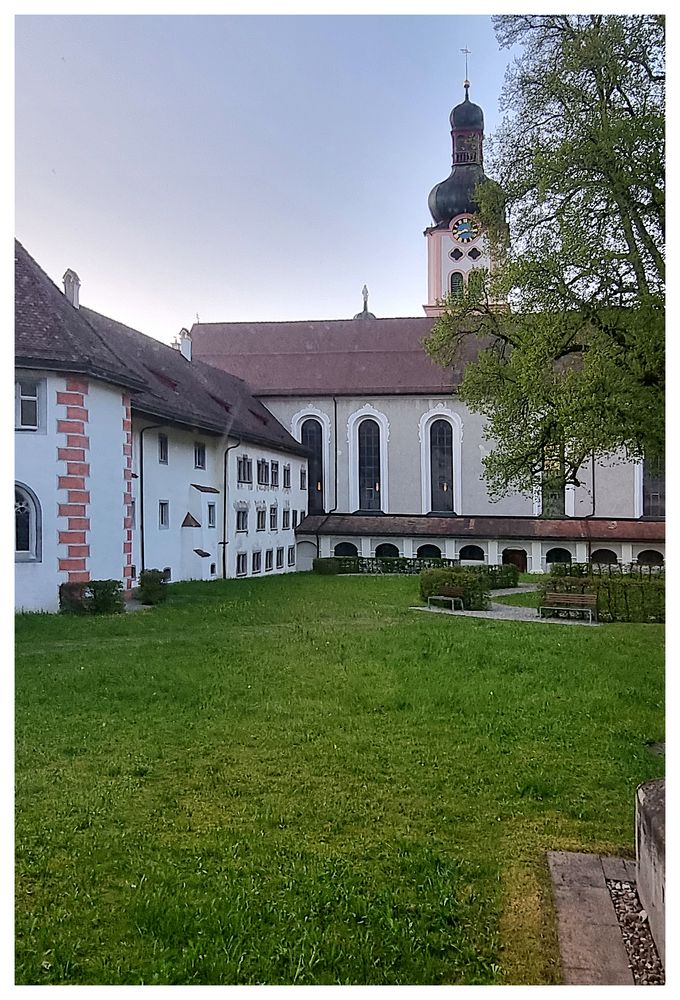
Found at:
[592, 951]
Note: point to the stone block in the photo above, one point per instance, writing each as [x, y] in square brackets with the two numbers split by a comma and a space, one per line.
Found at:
[650, 848]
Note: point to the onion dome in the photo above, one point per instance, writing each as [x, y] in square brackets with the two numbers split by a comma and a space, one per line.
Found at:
[364, 314]
[455, 195]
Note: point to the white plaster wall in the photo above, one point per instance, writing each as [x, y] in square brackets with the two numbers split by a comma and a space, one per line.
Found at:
[249, 495]
[106, 483]
[35, 465]
[404, 451]
[615, 489]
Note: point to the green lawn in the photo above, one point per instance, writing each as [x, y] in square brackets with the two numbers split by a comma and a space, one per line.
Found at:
[298, 780]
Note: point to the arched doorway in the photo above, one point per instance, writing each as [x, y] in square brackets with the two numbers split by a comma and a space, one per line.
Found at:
[604, 556]
[387, 550]
[345, 549]
[472, 552]
[650, 557]
[558, 556]
[515, 557]
[429, 552]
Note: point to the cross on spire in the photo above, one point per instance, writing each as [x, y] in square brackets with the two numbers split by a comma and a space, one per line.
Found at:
[466, 52]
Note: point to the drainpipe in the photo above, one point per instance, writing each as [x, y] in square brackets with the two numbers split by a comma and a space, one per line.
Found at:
[225, 494]
[150, 427]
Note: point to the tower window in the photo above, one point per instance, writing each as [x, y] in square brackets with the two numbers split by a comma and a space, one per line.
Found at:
[474, 254]
[456, 284]
[457, 254]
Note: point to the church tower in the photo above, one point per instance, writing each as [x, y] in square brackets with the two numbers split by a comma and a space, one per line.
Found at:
[456, 247]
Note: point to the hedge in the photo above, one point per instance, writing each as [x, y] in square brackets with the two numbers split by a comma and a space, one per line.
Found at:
[96, 597]
[606, 569]
[152, 586]
[443, 581]
[494, 576]
[620, 598]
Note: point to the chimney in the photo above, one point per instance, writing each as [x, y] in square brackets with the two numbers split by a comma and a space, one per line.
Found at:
[72, 287]
[182, 343]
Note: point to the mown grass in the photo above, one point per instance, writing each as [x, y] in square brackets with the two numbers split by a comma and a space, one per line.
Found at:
[298, 780]
[526, 600]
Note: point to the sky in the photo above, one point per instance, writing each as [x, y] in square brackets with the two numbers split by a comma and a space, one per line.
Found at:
[240, 167]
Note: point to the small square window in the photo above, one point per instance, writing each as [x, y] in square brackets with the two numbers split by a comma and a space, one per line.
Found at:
[269, 560]
[286, 477]
[199, 455]
[163, 514]
[275, 474]
[212, 515]
[279, 558]
[241, 520]
[261, 519]
[163, 449]
[291, 555]
[241, 564]
[286, 518]
[257, 562]
[273, 518]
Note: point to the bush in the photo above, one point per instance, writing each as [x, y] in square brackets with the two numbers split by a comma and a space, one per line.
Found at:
[152, 586]
[72, 598]
[326, 566]
[498, 576]
[444, 581]
[96, 597]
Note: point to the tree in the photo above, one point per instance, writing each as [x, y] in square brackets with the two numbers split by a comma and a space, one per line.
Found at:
[572, 363]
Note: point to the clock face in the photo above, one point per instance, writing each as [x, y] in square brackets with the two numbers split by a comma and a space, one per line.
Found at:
[465, 230]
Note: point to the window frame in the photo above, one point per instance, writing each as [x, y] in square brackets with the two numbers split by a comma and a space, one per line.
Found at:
[291, 555]
[212, 515]
[33, 553]
[269, 560]
[242, 515]
[256, 562]
[199, 455]
[285, 520]
[244, 469]
[20, 395]
[163, 449]
[262, 472]
[280, 560]
[275, 474]
[241, 564]
[261, 519]
[286, 477]
[163, 508]
[274, 518]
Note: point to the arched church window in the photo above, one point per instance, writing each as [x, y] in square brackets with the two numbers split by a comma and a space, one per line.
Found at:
[312, 438]
[28, 529]
[441, 466]
[369, 465]
[456, 284]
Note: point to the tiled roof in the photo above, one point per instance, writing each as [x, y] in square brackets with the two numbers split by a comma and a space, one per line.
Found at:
[191, 392]
[51, 334]
[320, 357]
[600, 530]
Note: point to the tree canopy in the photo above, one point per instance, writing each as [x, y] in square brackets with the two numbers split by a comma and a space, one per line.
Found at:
[571, 320]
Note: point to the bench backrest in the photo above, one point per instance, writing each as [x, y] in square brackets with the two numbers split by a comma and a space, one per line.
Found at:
[556, 598]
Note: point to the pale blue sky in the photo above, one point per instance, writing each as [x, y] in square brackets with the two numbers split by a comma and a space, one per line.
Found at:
[240, 167]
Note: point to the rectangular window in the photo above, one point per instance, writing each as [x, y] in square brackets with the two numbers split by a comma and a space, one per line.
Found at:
[269, 560]
[262, 473]
[303, 478]
[244, 469]
[241, 564]
[27, 416]
[133, 569]
[163, 449]
[553, 482]
[302, 516]
[257, 562]
[279, 558]
[273, 518]
[199, 455]
[163, 514]
[212, 515]
[275, 474]
[654, 487]
[261, 519]
[133, 514]
[241, 520]
[295, 519]
[291, 555]
[286, 477]
[286, 518]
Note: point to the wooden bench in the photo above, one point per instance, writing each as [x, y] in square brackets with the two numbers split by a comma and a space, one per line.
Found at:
[455, 596]
[570, 602]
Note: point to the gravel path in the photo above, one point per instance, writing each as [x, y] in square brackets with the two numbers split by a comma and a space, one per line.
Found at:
[643, 957]
[510, 612]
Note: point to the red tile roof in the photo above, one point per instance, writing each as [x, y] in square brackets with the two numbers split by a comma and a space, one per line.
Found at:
[321, 357]
[600, 530]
